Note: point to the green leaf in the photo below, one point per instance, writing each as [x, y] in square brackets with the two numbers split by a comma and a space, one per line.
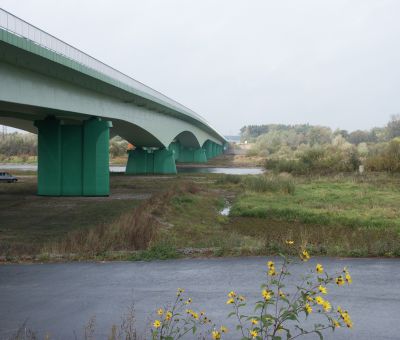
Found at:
[257, 307]
[320, 335]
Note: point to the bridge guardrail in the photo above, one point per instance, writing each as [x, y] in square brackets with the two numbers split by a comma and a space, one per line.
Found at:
[23, 29]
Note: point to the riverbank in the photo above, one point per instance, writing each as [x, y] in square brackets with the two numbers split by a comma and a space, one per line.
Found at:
[151, 217]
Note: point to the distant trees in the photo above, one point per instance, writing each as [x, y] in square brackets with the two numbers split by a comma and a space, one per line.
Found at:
[306, 148]
[18, 146]
[13, 144]
[118, 147]
[393, 127]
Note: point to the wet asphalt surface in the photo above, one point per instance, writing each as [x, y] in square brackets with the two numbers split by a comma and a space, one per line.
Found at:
[61, 298]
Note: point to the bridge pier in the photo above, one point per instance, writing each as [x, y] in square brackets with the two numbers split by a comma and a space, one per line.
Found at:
[175, 148]
[73, 160]
[191, 155]
[207, 146]
[143, 161]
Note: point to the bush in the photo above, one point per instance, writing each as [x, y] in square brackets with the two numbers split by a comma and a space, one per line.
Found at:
[387, 158]
[319, 160]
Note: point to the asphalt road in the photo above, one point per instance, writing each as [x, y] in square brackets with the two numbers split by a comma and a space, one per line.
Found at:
[61, 298]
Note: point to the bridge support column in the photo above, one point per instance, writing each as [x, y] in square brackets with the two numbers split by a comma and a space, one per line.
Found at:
[207, 146]
[73, 159]
[214, 149]
[175, 148]
[192, 155]
[150, 161]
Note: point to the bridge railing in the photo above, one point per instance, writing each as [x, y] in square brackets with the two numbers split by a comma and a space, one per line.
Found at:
[23, 29]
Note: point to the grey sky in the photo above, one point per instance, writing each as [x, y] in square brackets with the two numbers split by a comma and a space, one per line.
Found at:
[334, 63]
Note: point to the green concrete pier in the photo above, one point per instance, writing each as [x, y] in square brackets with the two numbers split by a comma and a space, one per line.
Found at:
[73, 160]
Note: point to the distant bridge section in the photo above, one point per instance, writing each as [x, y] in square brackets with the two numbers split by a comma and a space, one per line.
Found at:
[74, 102]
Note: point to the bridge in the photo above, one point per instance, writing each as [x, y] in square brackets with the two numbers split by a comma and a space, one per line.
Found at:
[75, 102]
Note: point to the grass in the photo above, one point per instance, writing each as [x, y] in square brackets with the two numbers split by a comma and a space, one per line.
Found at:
[170, 216]
[342, 202]
[30, 223]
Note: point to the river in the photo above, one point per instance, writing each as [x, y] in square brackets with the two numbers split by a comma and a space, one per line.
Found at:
[181, 169]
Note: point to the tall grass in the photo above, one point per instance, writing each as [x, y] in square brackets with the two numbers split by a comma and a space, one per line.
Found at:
[269, 184]
[261, 183]
[134, 230]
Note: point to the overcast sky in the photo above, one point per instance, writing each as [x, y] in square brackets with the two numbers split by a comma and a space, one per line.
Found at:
[334, 63]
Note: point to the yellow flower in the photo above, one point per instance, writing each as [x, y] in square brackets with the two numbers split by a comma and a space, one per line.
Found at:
[336, 324]
[189, 301]
[232, 294]
[289, 242]
[179, 292]
[347, 320]
[254, 321]
[242, 298]
[339, 280]
[160, 312]
[319, 268]
[271, 271]
[326, 305]
[195, 315]
[281, 294]
[347, 276]
[319, 300]
[267, 294]
[309, 298]
[168, 315]
[216, 335]
[308, 308]
[224, 329]
[345, 317]
[230, 301]
[157, 324]
[253, 334]
[323, 289]
[270, 264]
[305, 256]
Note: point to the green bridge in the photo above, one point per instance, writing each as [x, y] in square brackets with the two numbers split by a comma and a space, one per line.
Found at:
[75, 103]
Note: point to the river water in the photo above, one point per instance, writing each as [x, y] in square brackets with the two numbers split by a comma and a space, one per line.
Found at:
[61, 298]
[120, 169]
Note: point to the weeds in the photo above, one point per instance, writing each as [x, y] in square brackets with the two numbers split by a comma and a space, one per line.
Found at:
[134, 230]
[263, 183]
[260, 183]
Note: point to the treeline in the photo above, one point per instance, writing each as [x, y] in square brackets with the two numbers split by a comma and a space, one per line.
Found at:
[18, 147]
[22, 147]
[306, 148]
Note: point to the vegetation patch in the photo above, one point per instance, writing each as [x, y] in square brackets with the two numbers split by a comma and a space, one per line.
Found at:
[342, 202]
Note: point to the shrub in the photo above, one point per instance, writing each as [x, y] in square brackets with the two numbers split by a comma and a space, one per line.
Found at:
[386, 158]
[319, 160]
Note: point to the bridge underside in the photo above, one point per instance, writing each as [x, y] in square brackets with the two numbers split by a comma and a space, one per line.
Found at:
[73, 154]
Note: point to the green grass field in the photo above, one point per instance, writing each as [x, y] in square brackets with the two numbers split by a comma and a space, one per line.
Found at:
[345, 202]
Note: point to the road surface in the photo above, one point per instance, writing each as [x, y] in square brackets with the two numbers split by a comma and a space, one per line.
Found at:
[61, 298]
